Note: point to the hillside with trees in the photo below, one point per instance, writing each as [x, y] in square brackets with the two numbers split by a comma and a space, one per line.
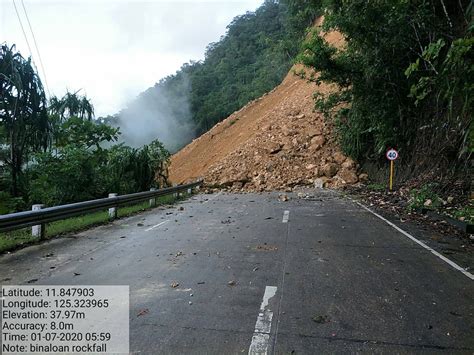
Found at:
[251, 59]
[404, 79]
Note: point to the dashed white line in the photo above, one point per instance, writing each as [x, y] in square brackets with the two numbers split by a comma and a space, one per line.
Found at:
[156, 226]
[286, 217]
[442, 257]
[263, 326]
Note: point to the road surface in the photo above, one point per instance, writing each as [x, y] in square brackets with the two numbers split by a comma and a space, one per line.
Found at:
[307, 276]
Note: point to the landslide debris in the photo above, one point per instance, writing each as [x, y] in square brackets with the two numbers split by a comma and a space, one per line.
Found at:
[276, 142]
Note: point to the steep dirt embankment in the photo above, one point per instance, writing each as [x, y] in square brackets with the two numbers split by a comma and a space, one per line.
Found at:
[274, 142]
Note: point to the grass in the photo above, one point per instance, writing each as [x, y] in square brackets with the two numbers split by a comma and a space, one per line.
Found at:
[20, 238]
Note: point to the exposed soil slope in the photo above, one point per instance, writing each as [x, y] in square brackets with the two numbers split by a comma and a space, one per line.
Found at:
[274, 142]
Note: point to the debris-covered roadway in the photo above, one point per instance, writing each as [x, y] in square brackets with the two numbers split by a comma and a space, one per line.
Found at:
[229, 273]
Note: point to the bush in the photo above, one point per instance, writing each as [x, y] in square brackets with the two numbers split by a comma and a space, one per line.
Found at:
[77, 173]
[418, 197]
[405, 78]
[67, 177]
[9, 204]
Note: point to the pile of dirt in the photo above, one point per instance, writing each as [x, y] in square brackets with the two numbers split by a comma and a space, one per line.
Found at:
[275, 142]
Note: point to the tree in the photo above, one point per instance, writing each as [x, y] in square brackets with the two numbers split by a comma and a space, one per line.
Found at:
[250, 59]
[71, 105]
[89, 134]
[23, 115]
[405, 78]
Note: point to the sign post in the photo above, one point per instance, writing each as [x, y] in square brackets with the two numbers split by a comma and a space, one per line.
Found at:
[392, 155]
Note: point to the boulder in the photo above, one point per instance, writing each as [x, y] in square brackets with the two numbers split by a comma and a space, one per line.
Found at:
[237, 185]
[317, 143]
[329, 169]
[320, 183]
[318, 140]
[349, 176]
[349, 164]
[273, 147]
[338, 157]
[363, 177]
[313, 132]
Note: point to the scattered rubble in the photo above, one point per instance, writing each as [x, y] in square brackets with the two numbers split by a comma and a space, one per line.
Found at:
[287, 156]
[321, 319]
[143, 312]
[266, 247]
[276, 142]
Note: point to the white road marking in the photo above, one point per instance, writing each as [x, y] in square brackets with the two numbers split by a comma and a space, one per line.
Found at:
[213, 197]
[263, 326]
[286, 217]
[442, 257]
[156, 226]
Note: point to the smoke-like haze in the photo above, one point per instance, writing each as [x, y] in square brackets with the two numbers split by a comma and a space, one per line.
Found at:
[162, 112]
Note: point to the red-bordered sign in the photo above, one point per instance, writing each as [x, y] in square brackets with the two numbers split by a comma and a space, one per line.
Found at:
[392, 154]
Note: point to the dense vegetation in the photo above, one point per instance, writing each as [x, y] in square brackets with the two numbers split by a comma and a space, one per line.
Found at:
[53, 153]
[252, 58]
[406, 78]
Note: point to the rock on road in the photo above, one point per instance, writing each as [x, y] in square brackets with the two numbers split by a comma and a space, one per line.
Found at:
[254, 274]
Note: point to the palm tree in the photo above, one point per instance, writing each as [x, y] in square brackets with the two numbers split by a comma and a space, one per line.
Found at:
[23, 115]
[71, 105]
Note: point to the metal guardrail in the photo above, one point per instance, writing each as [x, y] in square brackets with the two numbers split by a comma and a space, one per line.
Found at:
[39, 217]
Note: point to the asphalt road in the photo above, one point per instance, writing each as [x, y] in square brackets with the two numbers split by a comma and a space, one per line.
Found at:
[306, 276]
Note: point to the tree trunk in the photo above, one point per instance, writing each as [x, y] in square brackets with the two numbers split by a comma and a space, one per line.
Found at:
[16, 162]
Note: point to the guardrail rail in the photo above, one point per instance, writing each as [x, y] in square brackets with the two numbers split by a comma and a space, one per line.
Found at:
[39, 216]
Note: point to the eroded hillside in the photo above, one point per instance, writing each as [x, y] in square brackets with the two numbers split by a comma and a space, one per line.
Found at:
[275, 142]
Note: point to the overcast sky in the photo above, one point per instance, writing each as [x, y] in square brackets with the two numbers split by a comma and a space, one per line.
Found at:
[114, 49]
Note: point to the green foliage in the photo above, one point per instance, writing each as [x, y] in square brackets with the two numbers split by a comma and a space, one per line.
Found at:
[377, 187]
[157, 155]
[252, 58]
[128, 169]
[76, 173]
[418, 197]
[66, 177]
[303, 12]
[446, 79]
[76, 131]
[405, 76]
[24, 122]
[9, 204]
[71, 105]
[465, 213]
[60, 157]
[19, 238]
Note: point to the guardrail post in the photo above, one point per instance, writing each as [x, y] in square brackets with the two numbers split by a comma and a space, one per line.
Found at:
[152, 200]
[113, 210]
[38, 231]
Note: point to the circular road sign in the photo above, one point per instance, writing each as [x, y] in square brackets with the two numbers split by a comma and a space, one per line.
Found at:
[392, 154]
